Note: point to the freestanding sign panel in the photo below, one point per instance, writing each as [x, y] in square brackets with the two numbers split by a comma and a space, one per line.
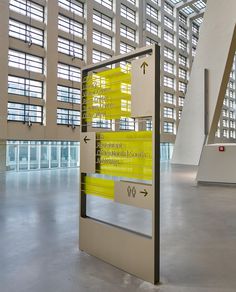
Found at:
[122, 165]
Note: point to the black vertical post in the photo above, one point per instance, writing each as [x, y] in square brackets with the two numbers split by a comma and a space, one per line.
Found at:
[206, 102]
[157, 165]
[83, 198]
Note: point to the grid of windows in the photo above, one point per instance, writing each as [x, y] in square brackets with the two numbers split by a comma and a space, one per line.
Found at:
[168, 112]
[225, 113]
[199, 20]
[20, 112]
[102, 19]
[169, 82]
[70, 48]
[127, 32]
[232, 104]
[188, 10]
[232, 115]
[127, 13]
[182, 87]
[218, 133]
[194, 40]
[169, 53]
[182, 73]
[195, 28]
[106, 3]
[182, 18]
[168, 127]
[168, 22]
[25, 61]
[155, 2]
[68, 72]
[169, 8]
[151, 11]
[182, 60]
[125, 48]
[225, 123]
[68, 117]
[177, 50]
[102, 39]
[150, 41]
[231, 84]
[169, 98]
[26, 33]
[169, 37]
[232, 124]
[127, 124]
[225, 133]
[73, 6]
[169, 67]
[151, 27]
[99, 56]
[132, 2]
[183, 45]
[232, 74]
[68, 94]
[180, 113]
[181, 101]
[232, 134]
[28, 8]
[101, 123]
[149, 125]
[182, 31]
[226, 102]
[70, 26]
[200, 4]
[25, 87]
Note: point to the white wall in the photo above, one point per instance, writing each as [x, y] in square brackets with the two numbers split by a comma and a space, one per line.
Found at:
[216, 166]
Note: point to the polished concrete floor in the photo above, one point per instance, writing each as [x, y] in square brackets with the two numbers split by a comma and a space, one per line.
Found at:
[39, 236]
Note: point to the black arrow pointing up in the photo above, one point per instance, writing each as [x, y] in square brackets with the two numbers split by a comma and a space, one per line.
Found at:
[144, 65]
[86, 139]
[144, 192]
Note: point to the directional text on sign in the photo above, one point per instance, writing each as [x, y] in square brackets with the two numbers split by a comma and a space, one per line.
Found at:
[134, 194]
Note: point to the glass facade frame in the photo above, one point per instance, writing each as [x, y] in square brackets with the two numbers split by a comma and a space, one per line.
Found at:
[36, 155]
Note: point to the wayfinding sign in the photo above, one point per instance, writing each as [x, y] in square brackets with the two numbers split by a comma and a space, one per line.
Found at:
[120, 143]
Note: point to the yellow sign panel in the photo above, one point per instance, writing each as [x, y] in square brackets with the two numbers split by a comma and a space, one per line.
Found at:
[98, 187]
[108, 95]
[124, 154]
[124, 192]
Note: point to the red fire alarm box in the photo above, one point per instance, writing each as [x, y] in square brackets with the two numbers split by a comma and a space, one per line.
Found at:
[222, 148]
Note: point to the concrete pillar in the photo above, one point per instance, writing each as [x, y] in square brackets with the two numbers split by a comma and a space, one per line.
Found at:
[3, 155]
[4, 19]
[51, 68]
[89, 29]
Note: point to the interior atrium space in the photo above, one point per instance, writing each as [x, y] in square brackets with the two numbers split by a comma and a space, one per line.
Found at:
[43, 68]
[117, 145]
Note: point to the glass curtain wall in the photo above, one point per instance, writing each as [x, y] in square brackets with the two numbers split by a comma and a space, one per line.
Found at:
[38, 155]
[166, 151]
[35, 155]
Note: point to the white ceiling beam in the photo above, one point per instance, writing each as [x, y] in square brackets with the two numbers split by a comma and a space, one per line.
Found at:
[197, 15]
[184, 3]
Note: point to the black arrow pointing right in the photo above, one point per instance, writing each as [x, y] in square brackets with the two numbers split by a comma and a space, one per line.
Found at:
[144, 192]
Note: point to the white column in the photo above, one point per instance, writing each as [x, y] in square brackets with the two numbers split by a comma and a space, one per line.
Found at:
[215, 52]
